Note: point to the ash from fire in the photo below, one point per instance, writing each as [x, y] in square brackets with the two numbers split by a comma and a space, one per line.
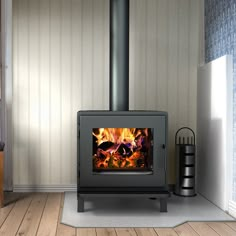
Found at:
[122, 148]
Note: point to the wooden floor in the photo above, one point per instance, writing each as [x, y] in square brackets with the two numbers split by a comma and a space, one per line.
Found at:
[40, 213]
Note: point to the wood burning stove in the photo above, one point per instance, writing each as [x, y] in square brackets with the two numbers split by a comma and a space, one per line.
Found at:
[121, 152]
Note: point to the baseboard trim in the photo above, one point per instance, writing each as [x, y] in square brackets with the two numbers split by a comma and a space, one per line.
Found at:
[55, 188]
[45, 188]
[232, 208]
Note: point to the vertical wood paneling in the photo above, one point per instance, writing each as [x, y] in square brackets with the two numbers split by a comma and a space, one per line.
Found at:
[183, 62]
[162, 56]
[23, 92]
[34, 96]
[66, 98]
[106, 23]
[87, 52]
[98, 55]
[61, 65]
[44, 80]
[151, 58]
[194, 27]
[55, 98]
[132, 53]
[140, 55]
[172, 83]
[76, 6]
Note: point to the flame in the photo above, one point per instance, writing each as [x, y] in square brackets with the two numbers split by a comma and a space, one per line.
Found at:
[116, 135]
[120, 147]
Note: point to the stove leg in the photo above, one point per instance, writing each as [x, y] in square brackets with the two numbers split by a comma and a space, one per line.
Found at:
[163, 205]
[80, 204]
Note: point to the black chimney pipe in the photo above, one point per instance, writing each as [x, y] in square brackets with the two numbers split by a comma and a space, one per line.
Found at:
[119, 55]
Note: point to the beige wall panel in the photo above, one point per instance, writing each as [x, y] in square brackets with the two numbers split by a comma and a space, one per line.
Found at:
[98, 55]
[140, 55]
[106, 40]
[66, 90]
[132, 53]
[44, 87]
[61, 65]
[23, 93]
[76, 76]
[183, 62]
[151, 58]
[193, 60]
[172, 81]
[55, 98]
[34, 93]
[162, 55]
[87, 54]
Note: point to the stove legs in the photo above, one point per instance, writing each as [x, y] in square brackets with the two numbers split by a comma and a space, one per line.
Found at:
[80, 204]
[163, 205]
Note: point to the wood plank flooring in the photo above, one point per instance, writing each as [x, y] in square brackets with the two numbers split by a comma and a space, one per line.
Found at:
[39, 214]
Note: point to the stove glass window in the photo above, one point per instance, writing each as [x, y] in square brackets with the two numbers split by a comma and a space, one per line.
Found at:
[123, 149]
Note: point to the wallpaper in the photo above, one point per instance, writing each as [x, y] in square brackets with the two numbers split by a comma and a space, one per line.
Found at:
[220, 39]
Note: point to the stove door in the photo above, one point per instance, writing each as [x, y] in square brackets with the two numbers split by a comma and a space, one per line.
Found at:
[122, 150]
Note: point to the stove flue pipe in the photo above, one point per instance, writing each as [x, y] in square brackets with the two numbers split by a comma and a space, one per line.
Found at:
[119, 55]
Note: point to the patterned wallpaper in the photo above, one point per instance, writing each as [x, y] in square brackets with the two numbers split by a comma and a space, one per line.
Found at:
[220, 39]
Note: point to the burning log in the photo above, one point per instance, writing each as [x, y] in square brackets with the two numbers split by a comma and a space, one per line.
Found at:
[140, 162]
[124, 151]
[105, 145]
[101, 154]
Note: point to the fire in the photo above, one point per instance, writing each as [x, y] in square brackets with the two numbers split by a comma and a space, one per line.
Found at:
[121, 147]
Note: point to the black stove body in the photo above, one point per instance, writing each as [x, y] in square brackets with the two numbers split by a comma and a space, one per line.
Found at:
[122, 153]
